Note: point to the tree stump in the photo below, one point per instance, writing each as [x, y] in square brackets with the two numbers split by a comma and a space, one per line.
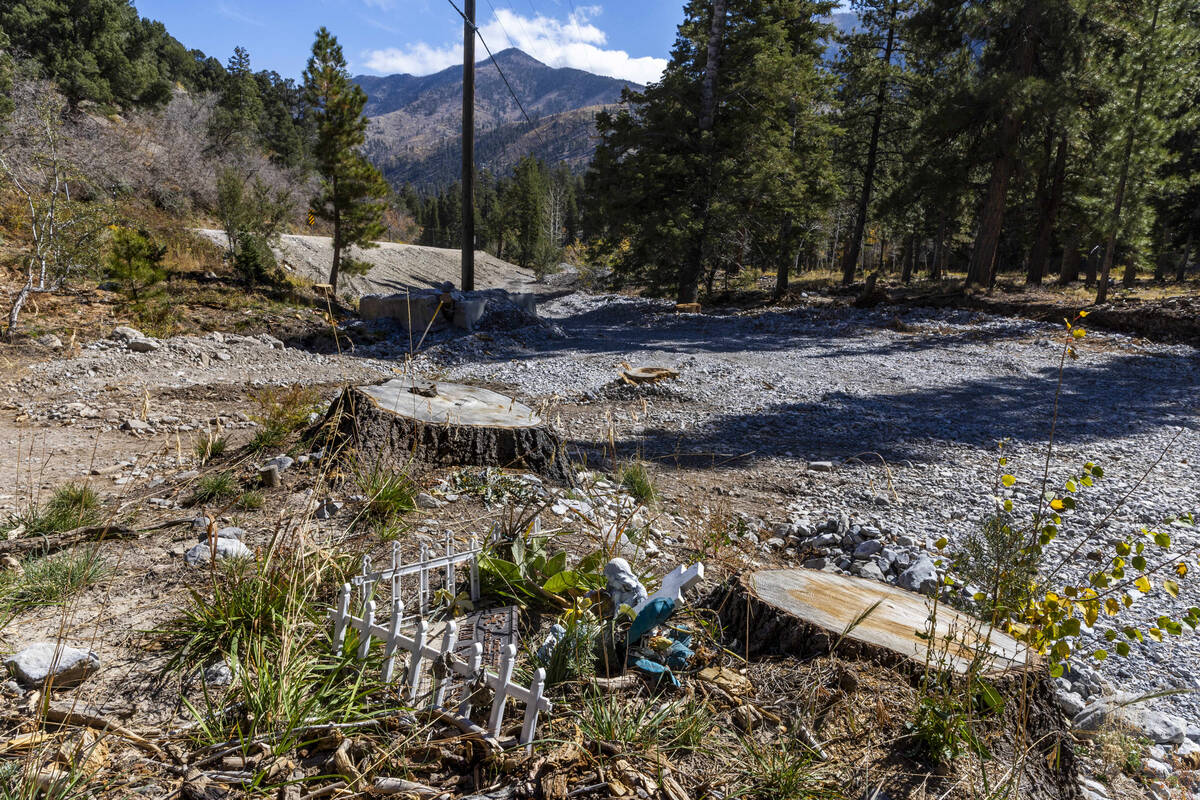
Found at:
[804, 612]
[400, 421]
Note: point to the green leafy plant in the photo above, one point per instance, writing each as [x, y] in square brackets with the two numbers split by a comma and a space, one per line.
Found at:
[280, 411]
[575, 655]
[523, 569]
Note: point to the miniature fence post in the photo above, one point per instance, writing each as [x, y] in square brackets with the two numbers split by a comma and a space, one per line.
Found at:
[533, 707]
[450, 577]
[368, 586]
[340, 617]
[414, 663]
[423, 582]
[449, 640]
[397, 562]
[364, 641]
[507, 662]
[389, 651]
[474, 568]
[473, 665]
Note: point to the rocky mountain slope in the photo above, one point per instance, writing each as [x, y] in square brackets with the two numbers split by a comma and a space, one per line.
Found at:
[415, 120]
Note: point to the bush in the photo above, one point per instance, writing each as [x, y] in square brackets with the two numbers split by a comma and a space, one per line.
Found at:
[636, 479]
[214, 486]
[254, 262]
[135, 261]
[389, 494]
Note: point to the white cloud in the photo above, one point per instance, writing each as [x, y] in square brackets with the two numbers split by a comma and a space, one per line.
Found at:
[574, 42]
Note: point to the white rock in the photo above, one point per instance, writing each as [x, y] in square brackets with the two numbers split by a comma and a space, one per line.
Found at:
[127, 334]
[1155, 768]
[1070, 703]
[62, 665]
[143, 345]
[920, 577]
[426, 500]
[224, 548]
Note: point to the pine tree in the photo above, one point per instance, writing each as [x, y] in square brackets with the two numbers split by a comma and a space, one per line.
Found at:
[725, 162]
[239, 109]
[352, 191]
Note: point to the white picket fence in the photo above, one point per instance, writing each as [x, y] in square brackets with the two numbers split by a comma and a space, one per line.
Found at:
[439, 658]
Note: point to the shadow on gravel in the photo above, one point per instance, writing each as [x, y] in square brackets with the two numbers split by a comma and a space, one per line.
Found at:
[1126, 395]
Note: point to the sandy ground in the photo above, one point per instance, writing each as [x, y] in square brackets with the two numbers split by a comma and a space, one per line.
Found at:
[394, 267]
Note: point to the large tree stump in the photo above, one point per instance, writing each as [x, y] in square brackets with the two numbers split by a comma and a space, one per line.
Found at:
[400, 421]
[804, 612]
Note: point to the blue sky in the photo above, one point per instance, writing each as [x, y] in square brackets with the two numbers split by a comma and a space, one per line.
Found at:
[623, 38]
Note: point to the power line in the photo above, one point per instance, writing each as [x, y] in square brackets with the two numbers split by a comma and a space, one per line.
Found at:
[495, 63]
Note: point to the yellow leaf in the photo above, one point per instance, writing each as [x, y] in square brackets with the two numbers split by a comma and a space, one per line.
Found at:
[1084, 313]
[1112, 607]
[1155, 634]
[940, 543]
[1171, 587]
[1056, 504]
[1008, 480]
[1181, 570]
[1079, 333]
[1142, 584]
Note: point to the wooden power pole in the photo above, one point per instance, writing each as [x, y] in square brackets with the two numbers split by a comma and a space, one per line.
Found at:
[468, 148]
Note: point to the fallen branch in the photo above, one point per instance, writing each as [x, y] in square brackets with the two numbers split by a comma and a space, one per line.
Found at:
[68, 716]
[59, 541]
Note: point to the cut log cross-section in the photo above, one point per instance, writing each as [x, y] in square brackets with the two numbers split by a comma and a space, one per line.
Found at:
[397, 422]
[803, 612]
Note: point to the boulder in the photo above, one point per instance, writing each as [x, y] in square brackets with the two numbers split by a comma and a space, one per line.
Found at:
[52, 662]
[143, 345]
[222, 549]
[1122, 709]
[921, 577]
[126, 334]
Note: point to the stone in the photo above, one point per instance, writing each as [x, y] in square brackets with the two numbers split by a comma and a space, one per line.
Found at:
[775, 542]
[143, 345]
[426, 500]
[1155, 768]
[281, 463]
[867, 549]
[137, 426]
[230, 533]
[825, 540]
[1070, 703]
[224, 549]
[920, 577]
[820, 466]
[327, 509]
[623, 585]
[816, 563]
[1095, 787]
[1121, 708]
[49, 341]
[218, 673]
[127, 334]
[57, 663]
[268, 476]
[871, 570]
[271, 341]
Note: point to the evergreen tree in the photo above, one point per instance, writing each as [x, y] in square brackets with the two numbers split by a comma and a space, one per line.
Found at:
[135, 261]
[235, 120]
[352, 191]
[526, 200]
[724, 162]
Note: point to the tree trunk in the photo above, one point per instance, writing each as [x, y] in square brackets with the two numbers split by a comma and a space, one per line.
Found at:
[908, 258]
[1110, 243]
[803, 612]
[1040, 253]
[15, 311]
[394, 423]
[337, 242]
[784, 258]
[1089, 269]
[991, 217]
[939, 248]
[693, 265]
[850, 257]
[1068, 269]
[1181, 270]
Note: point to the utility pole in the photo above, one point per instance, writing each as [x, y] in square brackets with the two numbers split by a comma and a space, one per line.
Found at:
[468, 148]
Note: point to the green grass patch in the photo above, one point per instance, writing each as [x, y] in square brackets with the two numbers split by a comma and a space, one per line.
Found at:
[636, 479]
[73, 505]
[214, 486]
[55, 579]
[389, 494]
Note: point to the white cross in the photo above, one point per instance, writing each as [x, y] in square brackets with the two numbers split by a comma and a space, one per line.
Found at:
[674, 584]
